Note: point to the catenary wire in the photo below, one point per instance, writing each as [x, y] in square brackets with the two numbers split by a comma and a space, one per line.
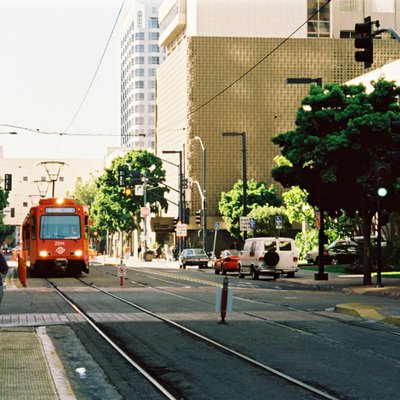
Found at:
[97, 69]
[248, 71]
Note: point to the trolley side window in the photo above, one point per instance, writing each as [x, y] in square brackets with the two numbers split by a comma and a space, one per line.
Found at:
[60, 227]
[33, 227]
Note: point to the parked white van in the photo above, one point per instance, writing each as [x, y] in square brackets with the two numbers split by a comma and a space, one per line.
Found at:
[268, 256]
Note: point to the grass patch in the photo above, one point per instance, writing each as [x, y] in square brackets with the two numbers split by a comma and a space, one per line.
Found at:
[389, 274]
[339, 269]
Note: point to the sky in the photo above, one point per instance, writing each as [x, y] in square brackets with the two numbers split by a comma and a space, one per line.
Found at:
[50, 50]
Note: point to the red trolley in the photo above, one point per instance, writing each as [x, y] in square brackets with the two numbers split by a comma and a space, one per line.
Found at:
[55, 237]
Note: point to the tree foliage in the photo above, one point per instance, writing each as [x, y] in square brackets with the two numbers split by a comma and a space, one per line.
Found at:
[257, 194]
[112, 208]
[85, 192]
[341, 132]
[5, 230]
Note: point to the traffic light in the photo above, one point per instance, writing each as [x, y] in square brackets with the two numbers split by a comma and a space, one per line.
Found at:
[121, 178]
[364, 41]
[198, 217]
[127, 191]
[136, 177]
[174, 222]
[12, 212]
[383, 180]
[7, 181]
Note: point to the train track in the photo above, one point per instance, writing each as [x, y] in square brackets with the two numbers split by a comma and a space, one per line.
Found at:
[189, 332]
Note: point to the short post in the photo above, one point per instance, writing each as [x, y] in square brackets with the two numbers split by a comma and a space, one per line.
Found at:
[224, 300]
[22, 267]
[121, 272]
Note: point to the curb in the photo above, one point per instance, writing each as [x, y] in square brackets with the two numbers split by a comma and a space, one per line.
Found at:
[367, 312]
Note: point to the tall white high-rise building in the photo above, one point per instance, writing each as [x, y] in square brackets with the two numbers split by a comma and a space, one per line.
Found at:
[140, 57]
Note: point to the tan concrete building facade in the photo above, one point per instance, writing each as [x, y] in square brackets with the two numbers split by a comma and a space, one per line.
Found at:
[210, 85]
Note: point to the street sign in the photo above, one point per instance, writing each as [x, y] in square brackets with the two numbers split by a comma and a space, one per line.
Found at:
[122, 270]
[252, 223]
[278, 222]
[216, 226]
[181, 230]
[139, 190]
[245, 224]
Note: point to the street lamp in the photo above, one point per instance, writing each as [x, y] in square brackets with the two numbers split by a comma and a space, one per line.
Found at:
[204, 202]
[181, 199]
[8, 133]
[243, 135]
[321, 275]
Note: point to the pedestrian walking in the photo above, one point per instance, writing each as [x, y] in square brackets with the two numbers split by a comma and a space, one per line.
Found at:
[3, 270]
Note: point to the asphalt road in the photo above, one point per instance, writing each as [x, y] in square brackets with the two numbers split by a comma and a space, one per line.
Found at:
[289, 327]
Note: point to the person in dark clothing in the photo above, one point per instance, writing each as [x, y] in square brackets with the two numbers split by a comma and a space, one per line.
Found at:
[3, 270]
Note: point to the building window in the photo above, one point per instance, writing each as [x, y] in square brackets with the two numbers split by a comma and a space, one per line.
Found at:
[153, 22]
[139, 72]
[61, 179]
[25, 179]
[153, 48]
[24, 204]
[349, 5]
[154, 60]
[139, 60]
[139, 84]
[43, 178]
[347, 34]
[139, 96]
[139, 48]
[319, 25]
[152, 84]
[383, 6]
[152, 72]
[139, 17]
[139, 35]
[153, 35]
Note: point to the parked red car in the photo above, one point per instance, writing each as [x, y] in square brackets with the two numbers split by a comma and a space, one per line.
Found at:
[227, 262]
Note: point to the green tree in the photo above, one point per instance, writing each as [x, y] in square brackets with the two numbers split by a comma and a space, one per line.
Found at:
[112, 208]
[340, 133]
[85, 192]
[5, 230]
[265, 220]
[231, 203]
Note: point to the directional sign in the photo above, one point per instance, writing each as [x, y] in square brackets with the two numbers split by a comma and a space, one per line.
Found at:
[245, 224]
[181, 230]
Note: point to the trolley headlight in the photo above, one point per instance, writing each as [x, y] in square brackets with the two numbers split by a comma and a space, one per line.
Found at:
[43, 253]
[78, 253]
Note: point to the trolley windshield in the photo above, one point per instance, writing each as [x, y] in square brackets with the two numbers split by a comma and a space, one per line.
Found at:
[59, 227]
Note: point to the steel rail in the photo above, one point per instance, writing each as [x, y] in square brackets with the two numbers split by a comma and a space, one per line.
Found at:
[90, 321]
[229, 350]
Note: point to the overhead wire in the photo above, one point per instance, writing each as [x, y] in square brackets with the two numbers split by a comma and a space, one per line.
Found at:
[97, 68]
[226, 88]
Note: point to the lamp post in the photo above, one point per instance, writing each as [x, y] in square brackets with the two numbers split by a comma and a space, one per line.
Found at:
[204, 202]
[244, 168]
[321, 275]
[181, 200]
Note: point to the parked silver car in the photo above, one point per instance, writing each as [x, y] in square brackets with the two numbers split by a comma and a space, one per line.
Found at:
[193, 257]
